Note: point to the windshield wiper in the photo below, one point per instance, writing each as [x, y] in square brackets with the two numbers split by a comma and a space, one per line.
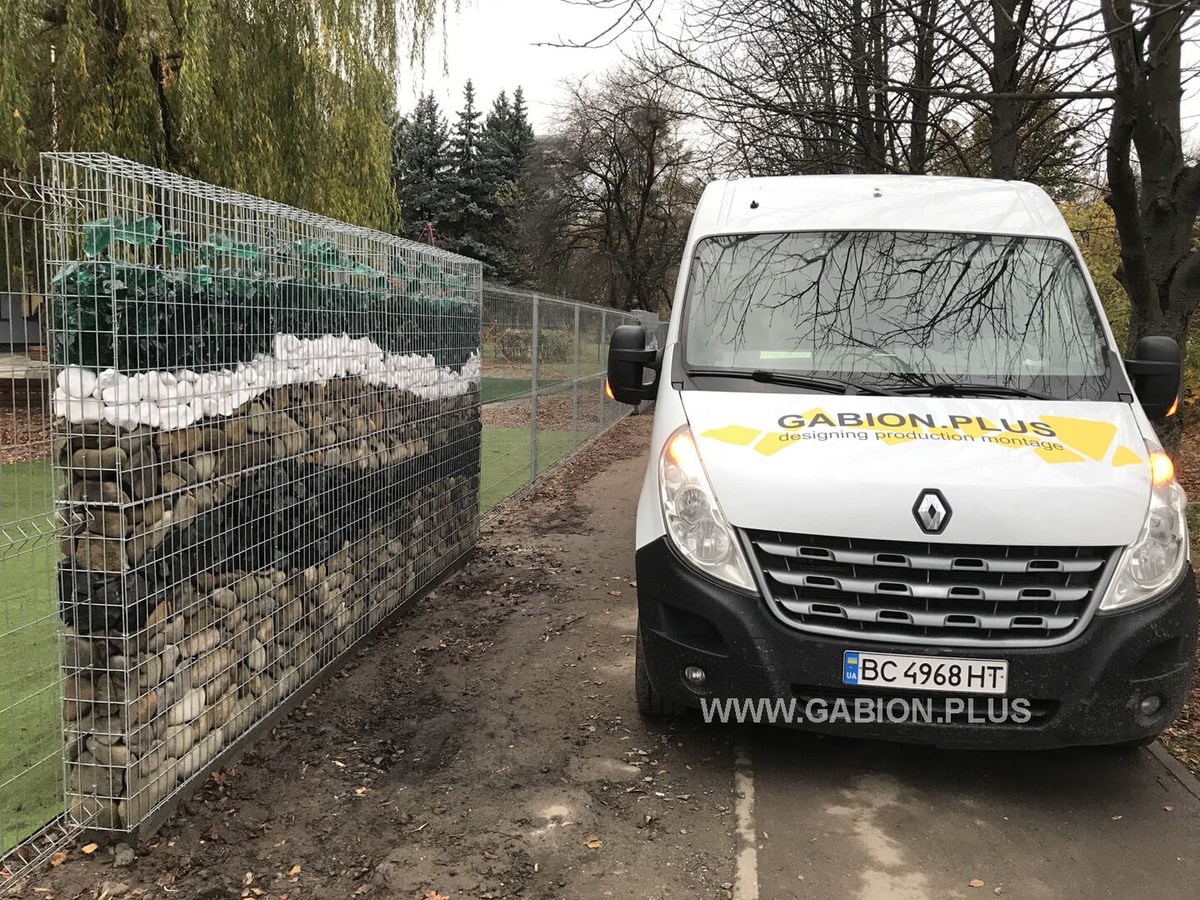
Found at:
[968, 389]
[817, 382]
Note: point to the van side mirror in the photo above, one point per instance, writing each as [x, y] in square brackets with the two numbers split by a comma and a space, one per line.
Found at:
[1156, 370]
[628, 360]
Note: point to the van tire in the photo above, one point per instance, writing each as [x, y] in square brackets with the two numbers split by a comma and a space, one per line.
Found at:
[650, 704]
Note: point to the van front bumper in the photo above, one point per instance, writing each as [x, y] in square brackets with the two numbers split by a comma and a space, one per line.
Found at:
[1085, 692]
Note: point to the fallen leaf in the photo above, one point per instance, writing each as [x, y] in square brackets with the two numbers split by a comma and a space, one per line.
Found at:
[360, 791]
[593, 843]
[89, 849]
[1167, 808]
[614, 593]
[339, 764]
[434, 895]
[633, 584]
[975, 882]
[294, 871]
[248, 879]
[58, 858]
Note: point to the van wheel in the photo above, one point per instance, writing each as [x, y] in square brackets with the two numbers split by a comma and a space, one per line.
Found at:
[649, 703]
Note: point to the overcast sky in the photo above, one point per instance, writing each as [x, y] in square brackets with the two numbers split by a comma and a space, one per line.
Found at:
[496, 44]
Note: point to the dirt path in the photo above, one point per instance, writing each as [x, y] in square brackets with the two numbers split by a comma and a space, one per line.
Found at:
[486, 746]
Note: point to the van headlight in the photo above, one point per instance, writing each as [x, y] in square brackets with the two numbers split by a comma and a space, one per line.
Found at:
[694, 519]
[1153, 562]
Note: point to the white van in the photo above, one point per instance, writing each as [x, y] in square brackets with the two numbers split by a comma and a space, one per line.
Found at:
[901, 483]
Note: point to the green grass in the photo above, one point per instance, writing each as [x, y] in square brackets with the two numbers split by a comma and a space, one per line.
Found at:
[494, 389]
[505, 467]
[30, 738]
[510, 388]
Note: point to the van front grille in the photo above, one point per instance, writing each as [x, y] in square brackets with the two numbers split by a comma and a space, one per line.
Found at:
[923, 593]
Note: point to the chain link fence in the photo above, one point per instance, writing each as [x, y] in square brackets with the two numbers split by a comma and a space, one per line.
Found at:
[543, 384]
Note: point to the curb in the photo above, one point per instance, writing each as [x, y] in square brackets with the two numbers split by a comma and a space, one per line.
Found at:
[1181, 772]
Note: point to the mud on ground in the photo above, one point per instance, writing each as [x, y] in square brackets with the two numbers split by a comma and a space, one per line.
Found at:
[485, 746]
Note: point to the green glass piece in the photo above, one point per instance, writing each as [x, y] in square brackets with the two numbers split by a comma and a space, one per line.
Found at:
[176, 242]
[142, 233]
[98, 235]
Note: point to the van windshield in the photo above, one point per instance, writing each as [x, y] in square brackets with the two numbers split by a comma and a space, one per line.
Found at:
[898, 309]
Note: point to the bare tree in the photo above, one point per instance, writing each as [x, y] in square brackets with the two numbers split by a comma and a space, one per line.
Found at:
[1153, 188]
[616, 191]
[808, 86]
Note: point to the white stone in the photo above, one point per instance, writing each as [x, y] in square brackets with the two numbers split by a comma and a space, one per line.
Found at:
[148, 414]
[122, 415]
[79, 412]
[104, 380]
[174, 400]
[77, 381]
[152, 386]
[123, 389]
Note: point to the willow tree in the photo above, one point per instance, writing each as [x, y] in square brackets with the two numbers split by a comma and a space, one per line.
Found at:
[291, 99]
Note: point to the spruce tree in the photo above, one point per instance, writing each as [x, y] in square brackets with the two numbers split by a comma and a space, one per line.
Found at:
[421, 169]
[469, 213]
[520, 131]
[504, 148]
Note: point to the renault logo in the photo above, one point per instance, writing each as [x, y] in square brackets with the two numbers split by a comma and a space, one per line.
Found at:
[931, 511]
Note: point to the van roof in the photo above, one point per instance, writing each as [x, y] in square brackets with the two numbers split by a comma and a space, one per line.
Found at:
[878, 203]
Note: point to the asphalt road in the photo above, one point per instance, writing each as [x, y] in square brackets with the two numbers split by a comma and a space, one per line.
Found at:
[865, 820]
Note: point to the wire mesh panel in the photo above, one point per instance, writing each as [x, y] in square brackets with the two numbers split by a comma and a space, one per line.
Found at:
[544, 363]
[268, 428]
[30, 741]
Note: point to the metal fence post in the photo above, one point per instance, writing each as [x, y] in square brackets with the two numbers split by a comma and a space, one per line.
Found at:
[604, 339]
[533, 397]
[575, 389]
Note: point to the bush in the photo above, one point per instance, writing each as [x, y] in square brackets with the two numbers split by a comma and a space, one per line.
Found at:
[516, 345]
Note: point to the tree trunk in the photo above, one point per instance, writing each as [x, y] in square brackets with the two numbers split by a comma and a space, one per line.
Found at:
[1004, 113]
[923, 66]
[1155, 210]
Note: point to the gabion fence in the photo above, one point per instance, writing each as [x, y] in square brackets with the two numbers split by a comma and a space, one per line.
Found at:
[267, 434]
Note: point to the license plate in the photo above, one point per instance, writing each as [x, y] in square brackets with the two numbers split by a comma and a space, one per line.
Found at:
[925, 673]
